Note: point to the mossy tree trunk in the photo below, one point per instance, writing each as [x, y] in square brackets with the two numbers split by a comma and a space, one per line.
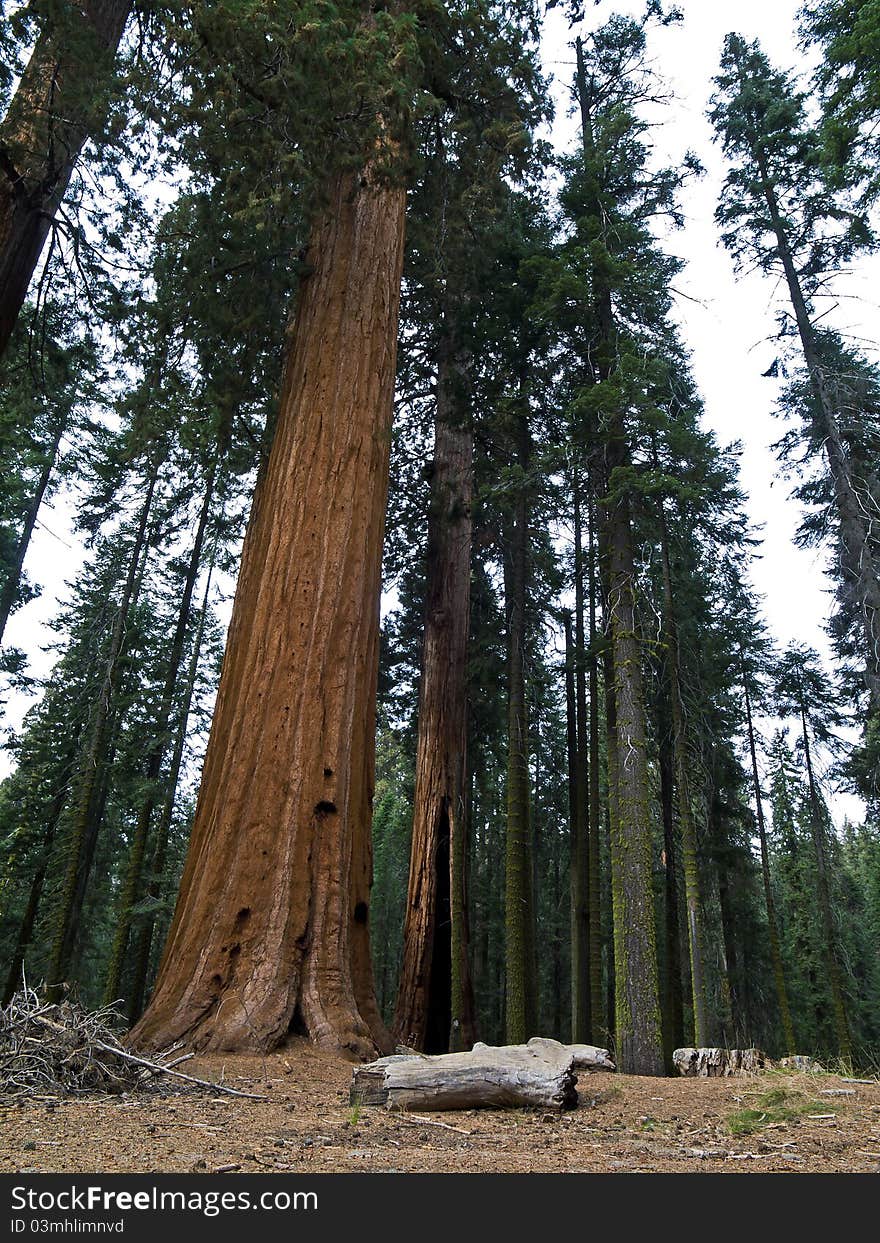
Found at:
[689, 849]
[271, 930]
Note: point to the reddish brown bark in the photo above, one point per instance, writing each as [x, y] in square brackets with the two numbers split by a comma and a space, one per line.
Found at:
[431, 1014]
[56, 106]
[271, 930]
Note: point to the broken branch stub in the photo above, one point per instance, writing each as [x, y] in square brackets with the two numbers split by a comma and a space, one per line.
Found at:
[542, 1074]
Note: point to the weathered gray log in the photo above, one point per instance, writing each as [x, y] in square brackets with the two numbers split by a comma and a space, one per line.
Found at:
[719, 1063]
[542, 1073]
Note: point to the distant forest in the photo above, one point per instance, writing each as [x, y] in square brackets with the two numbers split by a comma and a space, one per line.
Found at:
[298, 301]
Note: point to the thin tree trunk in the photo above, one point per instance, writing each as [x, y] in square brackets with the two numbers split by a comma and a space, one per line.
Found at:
[9, 594]
[519, 911]
[29, 918]
[271, 929]
[137, 852]
[594, 902]
[85, 820]
[772, 925]
[823, 890]
[144, 946]
[435, 1001]
[581, 1025]
[56, 105]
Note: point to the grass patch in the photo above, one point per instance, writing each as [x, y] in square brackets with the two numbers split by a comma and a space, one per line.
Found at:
[777, 1105]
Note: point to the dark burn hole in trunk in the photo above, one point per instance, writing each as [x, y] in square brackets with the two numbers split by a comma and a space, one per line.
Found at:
[297, 1025]
[439, 1013]
[242, 917]
[361, 913]
[328, 772]
[325, 808]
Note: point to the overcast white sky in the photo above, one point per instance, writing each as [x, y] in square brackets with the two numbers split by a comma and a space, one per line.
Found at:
[728, 325]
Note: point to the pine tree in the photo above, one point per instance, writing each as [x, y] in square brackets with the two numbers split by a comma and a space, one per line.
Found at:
[775, 189]
[804, 691]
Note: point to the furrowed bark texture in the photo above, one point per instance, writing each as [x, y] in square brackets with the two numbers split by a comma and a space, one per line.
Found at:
[431, 1014]
[271, 925]
[638, 1029]
[519, 906]
[55, 107]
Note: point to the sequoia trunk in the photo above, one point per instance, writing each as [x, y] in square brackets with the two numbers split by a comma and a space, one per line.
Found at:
[431, 1014]
[519, 906]
[271, 928]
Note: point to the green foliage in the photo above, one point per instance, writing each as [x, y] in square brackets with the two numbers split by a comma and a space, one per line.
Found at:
[778, 1105]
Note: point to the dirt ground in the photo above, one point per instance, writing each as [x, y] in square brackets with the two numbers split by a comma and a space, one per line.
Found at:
[306, 1125]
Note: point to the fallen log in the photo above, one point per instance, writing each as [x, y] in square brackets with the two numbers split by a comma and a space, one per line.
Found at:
[719, 1063]
[542, 1073]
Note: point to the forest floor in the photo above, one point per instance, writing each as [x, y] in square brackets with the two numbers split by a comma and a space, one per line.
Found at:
[769, 1122]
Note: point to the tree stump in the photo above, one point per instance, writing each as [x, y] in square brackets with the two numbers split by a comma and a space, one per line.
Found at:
[719, 1063]
[542, 1074]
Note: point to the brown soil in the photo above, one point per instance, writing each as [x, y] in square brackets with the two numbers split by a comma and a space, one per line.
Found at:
[306, 1124]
